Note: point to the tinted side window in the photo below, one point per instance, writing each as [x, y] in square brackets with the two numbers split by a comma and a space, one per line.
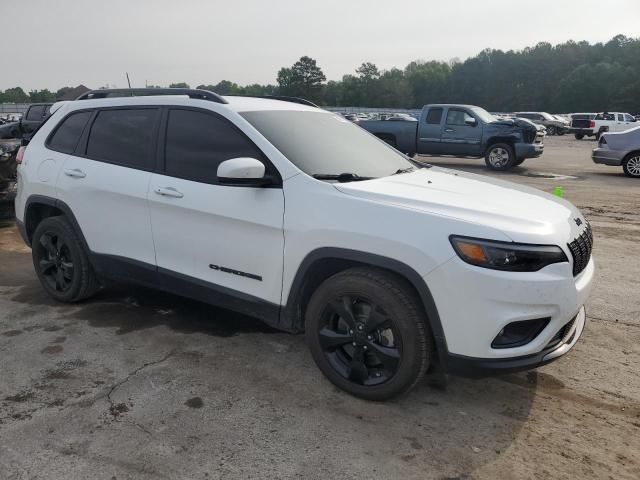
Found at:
[197, 142]
[457, 117]
[36, 113]
[124, 137]
[66, 136]
[434, 116]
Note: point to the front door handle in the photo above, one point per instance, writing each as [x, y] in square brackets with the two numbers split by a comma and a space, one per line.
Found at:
[449, 130]
[75, 173]
[168, 192]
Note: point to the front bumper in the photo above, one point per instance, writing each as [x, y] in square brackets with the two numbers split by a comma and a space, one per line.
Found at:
[478, 367]
[607, 156]
[529, 150]
[475, 304]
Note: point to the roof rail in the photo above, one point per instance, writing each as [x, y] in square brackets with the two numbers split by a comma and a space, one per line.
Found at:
[148, 92]
[282, 98]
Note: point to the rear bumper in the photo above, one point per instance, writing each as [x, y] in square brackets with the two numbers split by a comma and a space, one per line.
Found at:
[581, 131]
[529, 150]
[607, 156]
[480, 367]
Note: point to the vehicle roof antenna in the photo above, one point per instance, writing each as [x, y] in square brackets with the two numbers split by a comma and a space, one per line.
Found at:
[128, 81]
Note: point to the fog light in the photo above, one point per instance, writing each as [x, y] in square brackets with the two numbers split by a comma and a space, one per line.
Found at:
[519, 333]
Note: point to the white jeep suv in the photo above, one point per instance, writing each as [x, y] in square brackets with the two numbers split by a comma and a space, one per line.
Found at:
[298, 217]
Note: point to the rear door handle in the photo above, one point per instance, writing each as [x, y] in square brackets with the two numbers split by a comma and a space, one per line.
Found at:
[449, 130]
[168, 192]
[75, 173]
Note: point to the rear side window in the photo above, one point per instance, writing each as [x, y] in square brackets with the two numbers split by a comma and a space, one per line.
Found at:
[197, 142]
[605, 116]
[434, 116]
[124, 137]
[65, 137]
[36, 112]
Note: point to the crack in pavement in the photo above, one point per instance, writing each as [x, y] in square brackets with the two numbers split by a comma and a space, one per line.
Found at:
[116, 409]
[619, 322]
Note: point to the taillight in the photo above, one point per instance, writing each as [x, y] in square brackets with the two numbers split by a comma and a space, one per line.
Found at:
[20, 155]
[592, 123]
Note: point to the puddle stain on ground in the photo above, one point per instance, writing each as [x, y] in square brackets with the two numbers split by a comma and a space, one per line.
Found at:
[52, 349]
[140, 308]
[11, 333]
[195, 402]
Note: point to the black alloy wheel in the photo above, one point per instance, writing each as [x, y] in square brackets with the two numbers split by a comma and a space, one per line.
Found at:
[61, 261]
[359, 340]
[368, 333]
[56, 263]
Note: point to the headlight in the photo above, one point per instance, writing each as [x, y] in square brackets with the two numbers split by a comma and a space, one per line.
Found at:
[509, 256]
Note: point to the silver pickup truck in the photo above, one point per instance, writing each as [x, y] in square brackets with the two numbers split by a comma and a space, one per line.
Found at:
[463, 131]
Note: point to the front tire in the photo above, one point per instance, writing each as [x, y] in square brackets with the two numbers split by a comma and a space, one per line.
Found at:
[500, 157]
[551, 130]
[367, 333]
[61, 263]
[631, 165]
[579, 136]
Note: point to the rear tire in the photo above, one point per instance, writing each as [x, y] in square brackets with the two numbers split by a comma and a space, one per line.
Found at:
[500, 157]
[551, 130]
[61, 263]
[367, 333]
[631, 165]
[579, 136]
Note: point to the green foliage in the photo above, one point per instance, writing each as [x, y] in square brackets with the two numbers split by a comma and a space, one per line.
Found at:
[304, 79]
[14, 95]
[569, 77]
[41, 96]
[179, 85]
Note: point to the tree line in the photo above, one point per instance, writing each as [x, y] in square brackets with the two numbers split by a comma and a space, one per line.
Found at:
[568, 77]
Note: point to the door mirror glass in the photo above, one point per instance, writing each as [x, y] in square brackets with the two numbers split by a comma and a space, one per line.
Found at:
[242, 171]
[470, 121]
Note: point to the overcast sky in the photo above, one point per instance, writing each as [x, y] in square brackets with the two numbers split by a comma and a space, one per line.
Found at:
[53, 43]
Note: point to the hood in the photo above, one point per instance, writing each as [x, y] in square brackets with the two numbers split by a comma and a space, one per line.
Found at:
[522, 213]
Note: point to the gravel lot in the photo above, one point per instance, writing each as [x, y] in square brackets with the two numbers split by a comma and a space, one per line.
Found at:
[140, 384]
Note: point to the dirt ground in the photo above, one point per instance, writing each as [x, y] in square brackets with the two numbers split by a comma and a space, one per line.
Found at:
[139, 384]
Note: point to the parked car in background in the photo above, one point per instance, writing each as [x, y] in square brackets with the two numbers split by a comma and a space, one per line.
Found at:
[8, 167]
[26, 124]
[582, 125]
[478, 274]
[553, 125]
[463, 130]
[620, 149]
[598, 123]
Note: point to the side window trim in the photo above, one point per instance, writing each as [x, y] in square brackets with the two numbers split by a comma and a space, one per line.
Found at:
[270, 168]
[81, 149]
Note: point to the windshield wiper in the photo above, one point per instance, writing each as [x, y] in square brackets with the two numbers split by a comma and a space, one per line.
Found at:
[404, 170]
[342, 177]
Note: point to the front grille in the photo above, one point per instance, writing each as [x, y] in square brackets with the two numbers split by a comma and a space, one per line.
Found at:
[581, 250]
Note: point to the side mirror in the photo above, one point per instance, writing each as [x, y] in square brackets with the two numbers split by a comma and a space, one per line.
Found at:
[470, 122]
[244, 171]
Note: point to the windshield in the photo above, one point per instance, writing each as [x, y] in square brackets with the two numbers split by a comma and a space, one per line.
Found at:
[319, 143]
[483, 115]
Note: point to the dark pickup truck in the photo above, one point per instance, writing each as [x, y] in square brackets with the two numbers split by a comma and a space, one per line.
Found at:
[30, 121]
[463, 131]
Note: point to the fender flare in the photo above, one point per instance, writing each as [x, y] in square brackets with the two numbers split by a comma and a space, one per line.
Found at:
[60, 205]
[291, 310]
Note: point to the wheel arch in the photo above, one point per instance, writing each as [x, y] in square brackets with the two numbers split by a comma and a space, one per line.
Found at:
[39, 207]
[499, 139]
[322, 263]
